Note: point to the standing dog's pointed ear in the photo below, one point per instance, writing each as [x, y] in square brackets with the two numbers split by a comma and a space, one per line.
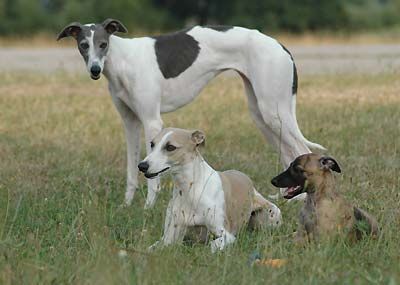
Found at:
[112, 26]
[198, 137]
[329, 163]
[72, 30]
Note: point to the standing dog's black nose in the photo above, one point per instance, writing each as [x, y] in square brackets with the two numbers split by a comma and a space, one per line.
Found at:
[95, 70]
[143, 166]
[274, 181]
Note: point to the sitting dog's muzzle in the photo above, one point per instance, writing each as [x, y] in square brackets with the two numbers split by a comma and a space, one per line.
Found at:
[143, 166]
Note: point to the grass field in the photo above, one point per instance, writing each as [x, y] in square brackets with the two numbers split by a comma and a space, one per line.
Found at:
[62, 180]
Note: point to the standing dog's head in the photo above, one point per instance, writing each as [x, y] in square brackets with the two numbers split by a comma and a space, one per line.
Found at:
[171, 148]
[93, 42]
[304, 173]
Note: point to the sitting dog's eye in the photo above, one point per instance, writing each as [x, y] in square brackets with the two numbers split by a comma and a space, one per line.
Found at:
[84, 45]
[152, 144]
[170, 147]
[103, 45]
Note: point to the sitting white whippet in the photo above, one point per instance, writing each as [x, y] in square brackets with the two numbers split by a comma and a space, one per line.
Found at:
[152, 75]
[224, 202]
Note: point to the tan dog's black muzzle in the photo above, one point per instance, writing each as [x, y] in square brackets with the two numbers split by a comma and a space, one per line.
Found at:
[291, 179]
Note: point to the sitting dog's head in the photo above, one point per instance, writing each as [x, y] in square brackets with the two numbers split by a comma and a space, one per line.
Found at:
[171, 149]
[305, 173]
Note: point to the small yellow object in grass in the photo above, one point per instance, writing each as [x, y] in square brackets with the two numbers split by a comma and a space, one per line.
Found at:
[274, 263]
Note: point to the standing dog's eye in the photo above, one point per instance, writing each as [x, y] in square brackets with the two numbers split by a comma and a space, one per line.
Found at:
[170, 147]
[103, 45]
[84, 45]
[152, 144]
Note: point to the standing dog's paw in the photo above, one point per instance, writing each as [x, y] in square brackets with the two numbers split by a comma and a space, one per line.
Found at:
[154, 246]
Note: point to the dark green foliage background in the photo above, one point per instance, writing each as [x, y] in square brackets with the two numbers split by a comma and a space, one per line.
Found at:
[27, 16]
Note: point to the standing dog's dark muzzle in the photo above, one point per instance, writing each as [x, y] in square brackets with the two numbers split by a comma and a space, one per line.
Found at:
[95, 71]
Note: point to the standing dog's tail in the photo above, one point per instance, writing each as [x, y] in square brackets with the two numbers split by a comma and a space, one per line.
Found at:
[300, 135]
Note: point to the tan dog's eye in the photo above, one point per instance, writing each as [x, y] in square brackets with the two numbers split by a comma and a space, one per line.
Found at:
[152, 145]
[170, 147]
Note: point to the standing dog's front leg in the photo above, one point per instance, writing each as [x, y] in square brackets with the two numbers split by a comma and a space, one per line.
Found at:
[132, 127]
[148, 110]
[151, 129]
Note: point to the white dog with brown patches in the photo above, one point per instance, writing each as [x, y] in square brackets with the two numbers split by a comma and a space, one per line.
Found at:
[224, 202]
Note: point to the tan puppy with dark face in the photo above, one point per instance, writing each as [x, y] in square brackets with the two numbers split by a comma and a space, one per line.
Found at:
[325, 211]
[224, 202]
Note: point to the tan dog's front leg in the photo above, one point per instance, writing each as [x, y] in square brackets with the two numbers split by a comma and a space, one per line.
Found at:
[223, 239]
[174, 229]
[300, 237]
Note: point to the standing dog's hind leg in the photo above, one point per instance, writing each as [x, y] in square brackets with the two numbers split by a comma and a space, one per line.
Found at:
[271, 126]
[282, 131]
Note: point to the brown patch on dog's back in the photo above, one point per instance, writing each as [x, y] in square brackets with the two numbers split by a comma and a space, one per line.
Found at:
[238, 192]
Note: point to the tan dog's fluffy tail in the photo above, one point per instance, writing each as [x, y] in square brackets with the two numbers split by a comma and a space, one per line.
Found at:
[365, 223]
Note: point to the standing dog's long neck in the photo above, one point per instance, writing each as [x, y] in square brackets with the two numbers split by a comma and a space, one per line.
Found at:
[115, 57]
[193, 176]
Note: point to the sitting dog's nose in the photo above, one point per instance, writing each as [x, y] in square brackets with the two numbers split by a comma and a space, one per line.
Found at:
[95, 70]
[143, 166]
[274, 181]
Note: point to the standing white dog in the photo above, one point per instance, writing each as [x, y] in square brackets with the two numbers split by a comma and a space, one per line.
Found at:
[152, 75]
[224, 202]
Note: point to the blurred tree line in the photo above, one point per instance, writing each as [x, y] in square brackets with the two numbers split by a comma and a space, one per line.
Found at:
[30, 16]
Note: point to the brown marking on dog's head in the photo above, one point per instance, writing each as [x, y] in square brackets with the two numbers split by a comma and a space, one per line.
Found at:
[172, 148]
[304, 173]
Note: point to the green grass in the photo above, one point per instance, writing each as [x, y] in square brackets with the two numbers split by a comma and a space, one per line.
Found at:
[62, 180]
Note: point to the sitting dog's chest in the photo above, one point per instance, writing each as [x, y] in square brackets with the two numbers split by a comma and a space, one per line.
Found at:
[201, 207]
[328, 216]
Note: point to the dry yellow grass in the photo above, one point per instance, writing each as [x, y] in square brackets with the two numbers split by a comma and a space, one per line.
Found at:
[62, 179]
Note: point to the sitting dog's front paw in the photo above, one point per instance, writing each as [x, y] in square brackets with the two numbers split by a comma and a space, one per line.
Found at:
[218, 244]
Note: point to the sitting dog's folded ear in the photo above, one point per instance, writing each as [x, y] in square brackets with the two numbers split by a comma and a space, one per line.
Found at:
[198, 137]
[72, 30]
[328, 162]
[112, 26]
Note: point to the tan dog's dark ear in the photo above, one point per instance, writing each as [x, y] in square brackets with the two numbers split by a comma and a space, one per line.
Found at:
[72, 30]
[328, 162]
[112, 26]
[198, 137]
